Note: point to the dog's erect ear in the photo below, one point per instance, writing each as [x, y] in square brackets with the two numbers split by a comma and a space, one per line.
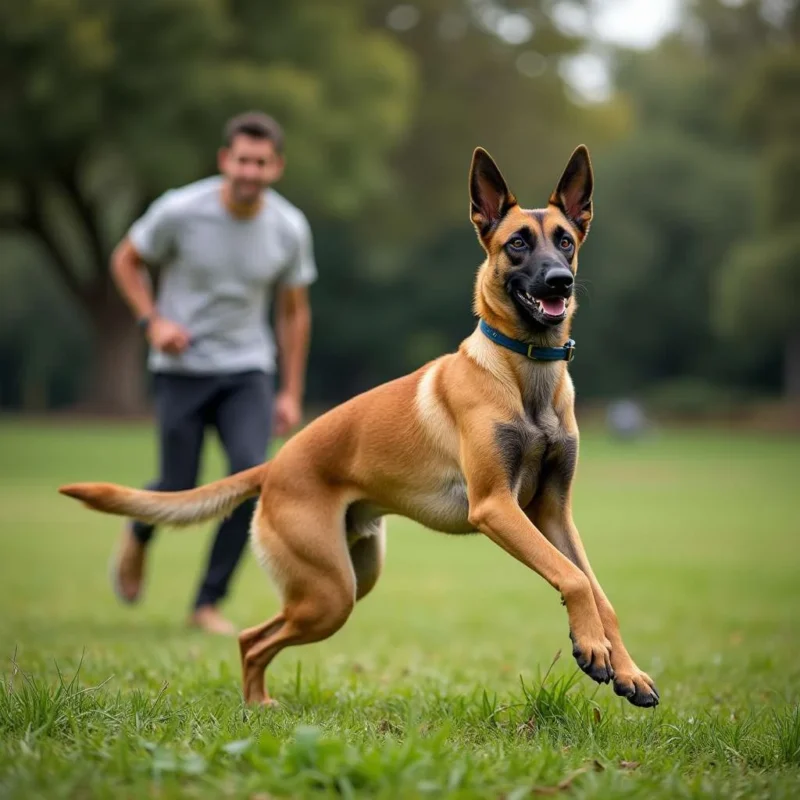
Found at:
[573, 195]
[490, 198]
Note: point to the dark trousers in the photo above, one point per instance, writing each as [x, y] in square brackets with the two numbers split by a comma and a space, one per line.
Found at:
[239, 406]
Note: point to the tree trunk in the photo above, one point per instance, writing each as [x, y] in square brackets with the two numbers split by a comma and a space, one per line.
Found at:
[791, 366]
[117, 385]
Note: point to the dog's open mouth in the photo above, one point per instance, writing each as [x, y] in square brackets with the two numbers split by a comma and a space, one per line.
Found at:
[548, 309]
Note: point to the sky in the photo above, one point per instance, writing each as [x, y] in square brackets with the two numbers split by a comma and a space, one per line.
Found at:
[628, 23]
[634, 23]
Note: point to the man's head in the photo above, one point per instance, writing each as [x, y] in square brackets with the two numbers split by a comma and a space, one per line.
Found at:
[251, 158]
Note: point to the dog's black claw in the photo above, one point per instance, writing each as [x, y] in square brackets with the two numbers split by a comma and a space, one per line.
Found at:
[648, 698]
[644, 700]
[654, 690]
[624, 691]
[601, 673]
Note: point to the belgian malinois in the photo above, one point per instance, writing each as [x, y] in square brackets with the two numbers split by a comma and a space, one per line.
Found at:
[481, 440]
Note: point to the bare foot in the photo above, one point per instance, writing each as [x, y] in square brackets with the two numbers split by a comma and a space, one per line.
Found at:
[257, 697]
[262, 702]
[208, 619]
[127, 567]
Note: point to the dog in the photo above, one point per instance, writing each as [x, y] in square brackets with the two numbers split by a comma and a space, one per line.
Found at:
[483, 440]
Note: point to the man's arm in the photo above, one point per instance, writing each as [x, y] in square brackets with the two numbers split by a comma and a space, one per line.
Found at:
[130, 275]
[293, 329]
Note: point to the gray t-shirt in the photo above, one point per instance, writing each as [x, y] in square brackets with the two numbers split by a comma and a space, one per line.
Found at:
[217, 274]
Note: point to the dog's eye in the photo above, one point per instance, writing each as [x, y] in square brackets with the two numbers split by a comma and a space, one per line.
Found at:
[565, 243]
[517, 243]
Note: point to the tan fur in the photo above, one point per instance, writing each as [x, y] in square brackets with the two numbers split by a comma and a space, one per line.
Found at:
[481, 440]
[178, 509]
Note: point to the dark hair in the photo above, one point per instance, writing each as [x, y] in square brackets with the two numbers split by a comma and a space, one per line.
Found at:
[255, 124]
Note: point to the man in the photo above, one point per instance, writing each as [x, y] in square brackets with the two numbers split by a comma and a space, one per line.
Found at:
[223, 245]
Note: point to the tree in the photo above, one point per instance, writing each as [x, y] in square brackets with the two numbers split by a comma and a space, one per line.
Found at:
[671, 197]
[758, 302]
[760, 290]
[43, 341]
[105, 103]
[395, 285]
[489, 74]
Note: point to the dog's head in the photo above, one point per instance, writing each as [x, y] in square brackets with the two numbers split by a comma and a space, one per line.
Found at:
[526, 284]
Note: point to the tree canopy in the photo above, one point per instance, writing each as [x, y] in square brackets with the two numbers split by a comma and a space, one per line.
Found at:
[690, 273]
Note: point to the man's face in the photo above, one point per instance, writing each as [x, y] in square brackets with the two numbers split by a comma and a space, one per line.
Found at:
[249, 165]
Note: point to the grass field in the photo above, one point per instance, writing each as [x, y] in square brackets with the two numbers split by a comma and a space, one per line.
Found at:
[440, 685]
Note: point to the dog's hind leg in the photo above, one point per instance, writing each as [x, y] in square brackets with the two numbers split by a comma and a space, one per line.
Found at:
[367, 552]
[304, 548]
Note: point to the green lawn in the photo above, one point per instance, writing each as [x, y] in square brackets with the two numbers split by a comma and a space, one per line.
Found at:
[438, 686]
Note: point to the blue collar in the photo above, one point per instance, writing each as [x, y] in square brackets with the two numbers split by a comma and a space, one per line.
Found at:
[564, 353]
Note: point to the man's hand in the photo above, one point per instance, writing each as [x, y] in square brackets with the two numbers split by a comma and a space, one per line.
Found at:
[287, 413]
[292, 324]
[167, 336]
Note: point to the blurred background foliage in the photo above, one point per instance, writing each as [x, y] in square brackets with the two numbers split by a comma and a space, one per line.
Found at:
[690, 279]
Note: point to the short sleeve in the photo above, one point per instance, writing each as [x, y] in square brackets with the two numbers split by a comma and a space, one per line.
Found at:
[301, 270]
[153, 234]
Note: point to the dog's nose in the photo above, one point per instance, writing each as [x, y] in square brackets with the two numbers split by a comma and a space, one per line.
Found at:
[559, 279]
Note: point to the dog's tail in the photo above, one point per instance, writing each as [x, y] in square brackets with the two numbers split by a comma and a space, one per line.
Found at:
[211, 501]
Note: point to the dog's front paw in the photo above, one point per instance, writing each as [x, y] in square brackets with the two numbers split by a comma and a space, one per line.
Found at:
[637, 687]
[593, 657]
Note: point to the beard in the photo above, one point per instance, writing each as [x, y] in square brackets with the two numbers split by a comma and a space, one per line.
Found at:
[246, 191]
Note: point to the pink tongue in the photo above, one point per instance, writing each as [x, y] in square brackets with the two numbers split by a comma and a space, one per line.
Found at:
[554, 306]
